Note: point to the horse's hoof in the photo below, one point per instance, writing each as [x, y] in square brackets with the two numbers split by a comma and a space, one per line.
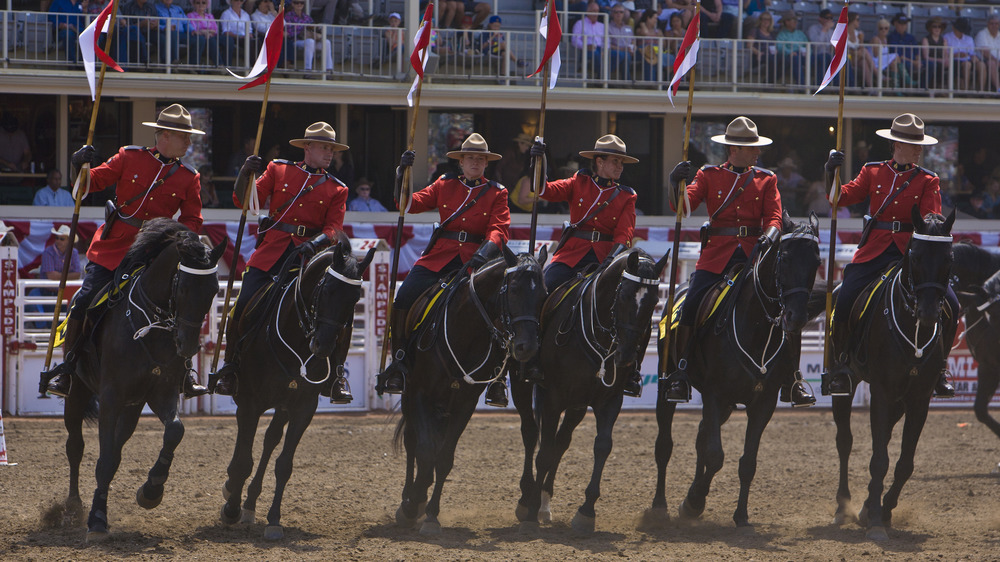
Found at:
[274, 532]
[144, 502]
[583, 524]
[402, 520]
[74, 503]
[746, 529]
[654, 518]
[248, 516]
[521, 512]
[226, 494]
[430, 528]
[226, 518]
[528, 528]
[687, 512]
[421, 509]
[97, 535]
[839, 518]
[877, 533]
[545, 511]
[863, 516]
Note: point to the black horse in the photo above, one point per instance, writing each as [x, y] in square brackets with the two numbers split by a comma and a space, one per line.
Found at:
[747, 349]
[899, 347]
[139, 353]
[593, 332]
[298, 341]
[489, 321]
[978, 289]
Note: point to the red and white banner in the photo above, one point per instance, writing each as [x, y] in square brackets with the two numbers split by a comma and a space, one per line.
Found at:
[89, 48]
[551, 31]
[418, 58]
[687, 56]
[839, 41]
[270, 51]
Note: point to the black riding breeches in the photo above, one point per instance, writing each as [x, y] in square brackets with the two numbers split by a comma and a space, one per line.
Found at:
[558, 273]
[255, 278]
[699, 284]
[418, 280]
[94, 279]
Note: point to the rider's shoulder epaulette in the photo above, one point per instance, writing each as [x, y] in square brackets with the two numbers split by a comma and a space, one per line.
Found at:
[626, 189]
[585, 172]
[928, 172]
[764, 171]
[449, 176]
[867, 164]
[498, 185]
[283, 161]
[134, 147]
[709, 167]
[189, 167]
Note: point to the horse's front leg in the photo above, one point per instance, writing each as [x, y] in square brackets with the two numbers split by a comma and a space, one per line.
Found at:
[150, 493]
[247, 416]
[271, 439]
[73, 414]
[521, 394]
[424, 447]
[989, 380]
[453, 427]
[881, 429]
[563, 438]
[916, 416]
[115, 427]
[297, 424]
[607, 415]
[662, 451]
[758, 416]
[845, 441]
[710, 456]
[408, 511]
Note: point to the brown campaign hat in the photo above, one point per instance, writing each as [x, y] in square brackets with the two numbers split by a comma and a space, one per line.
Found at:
[609, 145]
[907, 128]
[475, 144]
[174, 118]
[742, 132]
[319, 131]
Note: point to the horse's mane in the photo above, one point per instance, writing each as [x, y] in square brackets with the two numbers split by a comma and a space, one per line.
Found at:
[156, 234]
[973, 264]
[992, 285]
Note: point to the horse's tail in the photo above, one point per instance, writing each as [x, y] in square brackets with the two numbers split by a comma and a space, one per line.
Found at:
[397, 437]
[817, 300]
[91, 410]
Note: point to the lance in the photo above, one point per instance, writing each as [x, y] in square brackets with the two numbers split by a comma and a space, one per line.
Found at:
[81, 190]
[831, 262]
[251, 185]
[539, 175]
[680, 203]
[404, 198]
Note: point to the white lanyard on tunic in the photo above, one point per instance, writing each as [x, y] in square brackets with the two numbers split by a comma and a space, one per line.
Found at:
[460, 207]
[601, 190]
[148, 189]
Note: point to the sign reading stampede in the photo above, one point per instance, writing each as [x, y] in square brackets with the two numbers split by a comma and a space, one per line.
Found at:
[8, 282]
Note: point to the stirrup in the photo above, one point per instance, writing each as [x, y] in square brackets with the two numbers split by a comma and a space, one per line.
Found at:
[61, 385]
[494, 397]
[806, 398]
[45, 377]
[341, 393]
[827, 388]
[943, 388]
[633, 386]
[191, 387]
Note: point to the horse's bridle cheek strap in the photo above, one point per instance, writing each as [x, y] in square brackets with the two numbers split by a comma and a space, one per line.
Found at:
[640, 280]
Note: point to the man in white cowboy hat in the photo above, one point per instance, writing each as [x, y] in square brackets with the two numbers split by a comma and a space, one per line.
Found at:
[55, 255]
[150, 182]
[7, 237]
[469, 235]
[306, 213]
[744, 207]
[602, 221]
[894, 186]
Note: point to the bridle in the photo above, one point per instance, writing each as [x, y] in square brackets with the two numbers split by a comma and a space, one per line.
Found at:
[908, 295]
[157, 318]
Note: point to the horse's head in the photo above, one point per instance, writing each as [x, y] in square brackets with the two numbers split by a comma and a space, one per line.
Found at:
[636, 297]
[795, 270]
[196, 285]
[331, 286]
[522, 296]
[928, 264]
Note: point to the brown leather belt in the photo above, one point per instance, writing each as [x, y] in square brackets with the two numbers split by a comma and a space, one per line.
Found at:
[895, 226]
[740, 231]
[463, 236]
[297, 229]
[593, 236]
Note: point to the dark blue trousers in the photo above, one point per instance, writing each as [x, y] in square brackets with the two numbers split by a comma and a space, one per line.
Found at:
[418, 280]
[558, 273]
[699, 284]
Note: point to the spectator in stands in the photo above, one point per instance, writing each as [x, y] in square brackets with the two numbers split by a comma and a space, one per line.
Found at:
[262, 18]
[655, 53]
[140, 21]
[937, 57]
[763, 49]
[676, 28]
[792, 48]
[53, 195]
[495, 43]
[753, 8]
[235, 23]
[820, 34]
[67, 27]
[204, 34]
[988, 44]
[176, 22]
[859, 57]
[364, 202]
[93, 7]
[450, 12]
[393, 37]
[206, 177]
[479, 10]
[885, 60]
[342, 167]
[621, 44]
[515, 162]
[906, 47]
[715, 23]
[970, 67]
[991, 196]
[975, 206]
[301, 33]
[591, 30]
[55, 254]
[15, 152]
[670, 7]
[793, 185]
[333, 11]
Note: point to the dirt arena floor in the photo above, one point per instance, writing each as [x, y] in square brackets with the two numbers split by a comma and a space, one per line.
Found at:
[340, 502]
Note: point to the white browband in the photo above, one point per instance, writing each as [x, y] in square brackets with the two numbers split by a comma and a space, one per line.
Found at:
[794, 235]
[194, 271]
[348, 280]
[638, 279]
[929, 238]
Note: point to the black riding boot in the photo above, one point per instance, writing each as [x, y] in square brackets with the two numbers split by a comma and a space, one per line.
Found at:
[393, 379]
[837, 382]
[192, 388]
[340, 389]
[944, 388]
[59, 379]
[496, 393]
[678, 384]
[227, 380]
[796, 393]
[531, 371]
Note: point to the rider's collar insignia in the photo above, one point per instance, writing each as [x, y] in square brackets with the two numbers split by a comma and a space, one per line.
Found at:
[731, 168]
[472, 183]
[310, 169]
[900, 167]
[603, 183]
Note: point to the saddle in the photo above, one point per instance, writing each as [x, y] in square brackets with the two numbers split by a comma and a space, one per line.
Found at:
[711, 302]
[108, 296]
[427, 311]
[871, 294]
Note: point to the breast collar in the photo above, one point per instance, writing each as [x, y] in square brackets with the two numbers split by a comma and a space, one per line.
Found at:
[472, 184]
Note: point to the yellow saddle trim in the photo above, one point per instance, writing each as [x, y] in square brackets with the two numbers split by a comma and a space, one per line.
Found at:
[427, 309]
[871, 294]
[675, 316]
[569, 290]
[61, 333]
[106, 294]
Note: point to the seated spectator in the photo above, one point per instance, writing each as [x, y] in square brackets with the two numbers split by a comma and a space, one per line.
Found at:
[300, 33]
[820, 34]
[621, 44]
[716, 23]
[53, 195]
[94, 7]
[364, 202]
[204, 34]
[174, 20]
[450, 12]
[235, 23]
[859, 57]
[206, 177]
[792, 49]
[676, 28]
[975, 206]
[988, 44]
[262, 18]
[393, 37]
[967, 62]
[754, 8]
[55, 254]
[763, 49]
[331, 12]
[67, 27]
[135, 29]
[655, 53]
[495, 43]
[991, 196]
[591, 30]
[906, 47]
[935, 54]
[670, 7]
[479, 10]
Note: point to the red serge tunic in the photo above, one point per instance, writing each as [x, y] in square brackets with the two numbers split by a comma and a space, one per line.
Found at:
[321, 208]
[133, 170]
[489, 217]
[759, 205]
[584, 192]
[880, 179]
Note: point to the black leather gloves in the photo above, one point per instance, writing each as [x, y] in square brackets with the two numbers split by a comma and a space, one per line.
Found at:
[407, 159]
[681, 171]
[312, 247]
[487, 251]
[615, 250]
[251, 166]
[537, 149]
[770, 236]
[835, 160]
[83, 156]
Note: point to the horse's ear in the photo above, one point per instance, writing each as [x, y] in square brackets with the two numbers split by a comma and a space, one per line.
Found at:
[543, 255]
[363, 266]
[662, 264]
[218, 250]
[918, 220]
[948, 222]
[787, 224]
[338, 251]
[814, 221]
[508, 255]
[632, 262]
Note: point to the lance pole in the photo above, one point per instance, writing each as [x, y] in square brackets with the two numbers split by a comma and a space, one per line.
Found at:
[539, 175]
[831, 263]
